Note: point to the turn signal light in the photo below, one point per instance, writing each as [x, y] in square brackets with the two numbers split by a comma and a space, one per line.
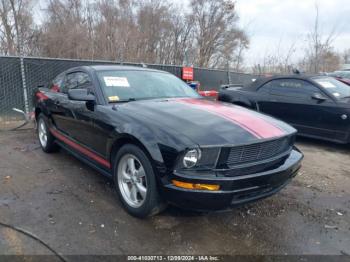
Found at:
[195, 186]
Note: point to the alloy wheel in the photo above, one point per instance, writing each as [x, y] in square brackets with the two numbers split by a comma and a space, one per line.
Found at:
[132, 180]
[42, 132]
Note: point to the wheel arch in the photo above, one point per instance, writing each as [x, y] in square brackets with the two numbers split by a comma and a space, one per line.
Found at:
[243, 103]
[130, 139]
[37, 112]
[41, 110]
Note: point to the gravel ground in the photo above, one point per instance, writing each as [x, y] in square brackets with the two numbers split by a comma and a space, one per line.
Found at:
[74, 210]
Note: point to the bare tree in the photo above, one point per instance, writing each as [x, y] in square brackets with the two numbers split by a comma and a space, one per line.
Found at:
[278, 61]
[346, 56]
[6, 29]
[319, 53]
[238, 57]
[216, 32]
[153, 23]
[67, 30]
[17, 30]
[151, 31]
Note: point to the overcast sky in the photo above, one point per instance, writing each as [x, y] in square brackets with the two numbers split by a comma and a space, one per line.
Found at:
[270, 22]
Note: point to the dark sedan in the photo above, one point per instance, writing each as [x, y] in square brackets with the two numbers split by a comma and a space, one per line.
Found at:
[317, 106]
[161, 142]
[342, 76]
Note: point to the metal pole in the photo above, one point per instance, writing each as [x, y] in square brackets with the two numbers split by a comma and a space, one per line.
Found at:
[24, 85]
[23, 75]
[228, 72]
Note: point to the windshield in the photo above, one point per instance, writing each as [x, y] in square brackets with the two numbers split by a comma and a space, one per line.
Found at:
[137, 85]
[338, 89]
[343, 74]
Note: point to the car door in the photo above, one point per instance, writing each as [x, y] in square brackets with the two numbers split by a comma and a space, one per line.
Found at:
[338, 119]
[78, 119]
[55, 104]
[295, 102]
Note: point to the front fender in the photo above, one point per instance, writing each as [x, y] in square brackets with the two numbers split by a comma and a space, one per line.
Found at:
[160, 145]
[41, 108]
[236, 97]
[244, 101]
[144, 136]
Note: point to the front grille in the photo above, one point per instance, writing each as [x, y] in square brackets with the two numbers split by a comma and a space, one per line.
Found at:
[258, 152]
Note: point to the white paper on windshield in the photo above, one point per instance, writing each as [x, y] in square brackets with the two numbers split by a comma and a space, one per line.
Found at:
[116, 81]
[327, 84]
[336, 94]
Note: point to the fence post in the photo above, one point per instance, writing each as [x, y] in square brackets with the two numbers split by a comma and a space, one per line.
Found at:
[228, 72]
[24, 85]
[21, 52]
[229, 77]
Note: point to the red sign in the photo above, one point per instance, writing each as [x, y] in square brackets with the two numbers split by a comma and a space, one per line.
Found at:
[187, 73]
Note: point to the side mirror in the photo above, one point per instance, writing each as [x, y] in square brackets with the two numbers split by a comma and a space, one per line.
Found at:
[80, 95]
[42, 85]
[319, 97]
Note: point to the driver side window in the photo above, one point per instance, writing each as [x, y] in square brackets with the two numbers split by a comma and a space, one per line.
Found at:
[77, 80]
[57, 84]
[294, 88]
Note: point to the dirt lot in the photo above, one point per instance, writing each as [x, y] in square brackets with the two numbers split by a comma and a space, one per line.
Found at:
[74, 210]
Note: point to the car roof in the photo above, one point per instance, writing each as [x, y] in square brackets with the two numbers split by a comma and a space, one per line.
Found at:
[262, 80]
[113, 68]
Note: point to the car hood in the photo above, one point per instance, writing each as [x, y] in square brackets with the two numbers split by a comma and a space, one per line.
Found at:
[207, 122]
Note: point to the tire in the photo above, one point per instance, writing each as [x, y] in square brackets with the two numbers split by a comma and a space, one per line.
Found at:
[46, 139]
[135, 182]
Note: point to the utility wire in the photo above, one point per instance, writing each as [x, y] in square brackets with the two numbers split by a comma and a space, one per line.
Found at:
[24, 232]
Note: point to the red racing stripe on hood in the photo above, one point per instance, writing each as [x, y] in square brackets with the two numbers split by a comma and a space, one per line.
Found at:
[251, 122]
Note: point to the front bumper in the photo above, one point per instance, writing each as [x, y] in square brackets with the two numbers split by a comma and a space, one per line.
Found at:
[234, 190]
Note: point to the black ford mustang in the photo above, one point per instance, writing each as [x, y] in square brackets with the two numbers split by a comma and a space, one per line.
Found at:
[317, 106]
[161, 142]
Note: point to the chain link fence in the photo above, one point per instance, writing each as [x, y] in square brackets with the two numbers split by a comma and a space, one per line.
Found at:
[11, 93]
[15, 85]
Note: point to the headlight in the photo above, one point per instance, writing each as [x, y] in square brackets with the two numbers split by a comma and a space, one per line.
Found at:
[191, 158]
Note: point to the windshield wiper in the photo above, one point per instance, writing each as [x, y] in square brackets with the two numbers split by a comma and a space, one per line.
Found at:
[123, 100]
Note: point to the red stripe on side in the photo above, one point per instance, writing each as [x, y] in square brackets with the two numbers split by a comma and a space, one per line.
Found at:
[255, 125]
[80, 148]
